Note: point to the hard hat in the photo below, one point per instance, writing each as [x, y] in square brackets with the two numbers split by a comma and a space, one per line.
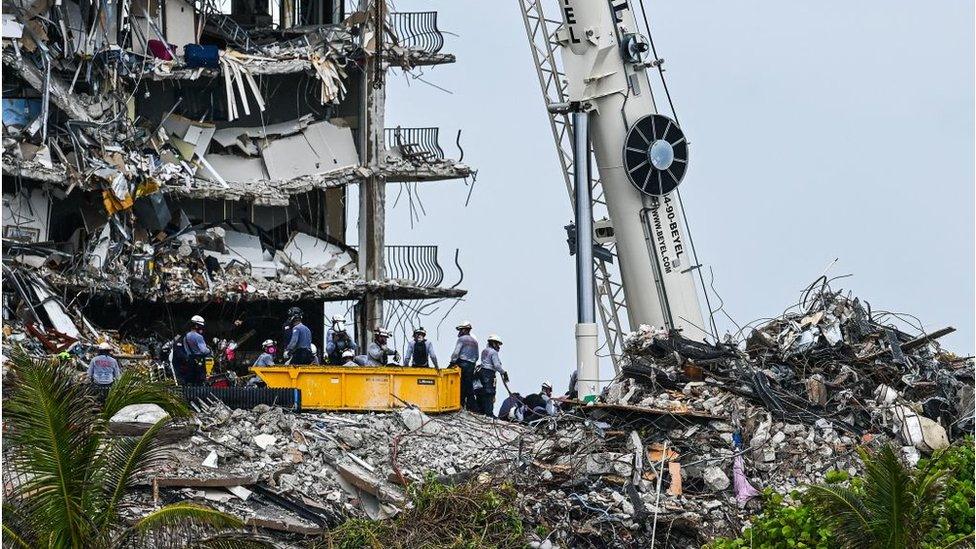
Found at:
[315, 349]
[268, 343]
[104, 346]
[348, 353]
[419, 330]
[466, 325]
[338, 318]
[547, 385]
[495, 338]
[382, 332]
[197, 319]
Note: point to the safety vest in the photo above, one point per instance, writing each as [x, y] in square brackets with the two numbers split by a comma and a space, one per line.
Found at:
[420, 357]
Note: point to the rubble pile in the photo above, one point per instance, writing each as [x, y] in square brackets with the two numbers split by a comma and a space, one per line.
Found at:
[338, 465]
[675, 452]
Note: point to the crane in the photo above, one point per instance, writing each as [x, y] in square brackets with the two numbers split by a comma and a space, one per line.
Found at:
[600, 100]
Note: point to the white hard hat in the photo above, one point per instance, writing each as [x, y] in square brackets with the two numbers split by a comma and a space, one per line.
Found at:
[197, 319]
[104, 346]
[494, 337]
[348, 353]
[382, 332]
[466, 324]
[268, 343]
[314, 349]
[547, 384]
[338, 318]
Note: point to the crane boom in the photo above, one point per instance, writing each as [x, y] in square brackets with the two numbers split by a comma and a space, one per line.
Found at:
[606, 77]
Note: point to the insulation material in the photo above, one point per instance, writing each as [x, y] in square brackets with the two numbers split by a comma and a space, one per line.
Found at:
[233, 168]
[246, 248]
[188, 136]
[56, 312]
[320, 148]
[305, 250]
[242, 137]
[25, 217]
[12, 28]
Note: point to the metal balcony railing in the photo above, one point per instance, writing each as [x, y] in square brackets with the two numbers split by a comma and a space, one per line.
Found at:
[417, 264]
[417, 145]
[417, 30]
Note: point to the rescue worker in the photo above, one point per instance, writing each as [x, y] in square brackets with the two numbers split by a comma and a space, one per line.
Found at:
[196, 352]
[546, 394]
[512, 408]
[267, 357]
[420, 353]
[103, 370]
[337, 340]
[378, 353]
[465, 356]
[539, 405]
[349, 358]
[490, 364]
[300, 345]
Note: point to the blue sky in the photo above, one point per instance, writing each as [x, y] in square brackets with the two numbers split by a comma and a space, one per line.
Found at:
[818, 131]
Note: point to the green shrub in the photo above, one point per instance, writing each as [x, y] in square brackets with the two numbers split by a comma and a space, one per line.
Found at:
[957, 516]
[780, 525]
[795, 524]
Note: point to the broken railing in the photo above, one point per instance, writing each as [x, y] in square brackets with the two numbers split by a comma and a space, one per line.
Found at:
[416, 264]
[417, 30]
[416, 145]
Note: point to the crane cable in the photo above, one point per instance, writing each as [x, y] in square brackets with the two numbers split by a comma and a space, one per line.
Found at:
[674, 114]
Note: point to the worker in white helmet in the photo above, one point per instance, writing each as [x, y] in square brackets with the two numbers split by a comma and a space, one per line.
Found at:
[337, 341]
[103, 370]
[465, 355]
[267, 358]
[420, 353]
[491, 363]
[349, 358]
[189, 366]
[378, 352]
[539, 405]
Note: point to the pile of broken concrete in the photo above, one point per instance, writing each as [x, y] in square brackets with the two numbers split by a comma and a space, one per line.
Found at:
[675, 452]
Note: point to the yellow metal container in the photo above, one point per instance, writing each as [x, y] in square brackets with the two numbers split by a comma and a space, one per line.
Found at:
[364, 388]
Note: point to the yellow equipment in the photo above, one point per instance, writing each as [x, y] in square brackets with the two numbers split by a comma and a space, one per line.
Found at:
[365, 388]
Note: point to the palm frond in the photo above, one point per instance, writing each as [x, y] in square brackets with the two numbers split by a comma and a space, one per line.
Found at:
[125, 459]
[846, 514]
[887, 497]
[235, 540]
[14, 524]
[137, 388]
[179, 514]
[54, 431]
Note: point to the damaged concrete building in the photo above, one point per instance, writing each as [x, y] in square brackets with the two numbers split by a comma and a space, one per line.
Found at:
[164, 158]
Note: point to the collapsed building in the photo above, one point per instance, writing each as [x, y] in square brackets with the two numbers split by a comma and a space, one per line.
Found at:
[163, 158]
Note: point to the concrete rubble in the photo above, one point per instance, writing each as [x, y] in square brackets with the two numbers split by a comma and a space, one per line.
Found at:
[675, 452]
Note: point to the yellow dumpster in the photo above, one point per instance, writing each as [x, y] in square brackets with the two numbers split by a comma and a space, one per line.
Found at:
[364, 388]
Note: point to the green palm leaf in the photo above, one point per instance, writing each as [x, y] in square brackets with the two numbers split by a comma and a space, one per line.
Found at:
[126, 459]
[181, 514]
[52, 433]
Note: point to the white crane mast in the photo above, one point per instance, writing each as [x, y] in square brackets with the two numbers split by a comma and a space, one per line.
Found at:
[606, 76]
